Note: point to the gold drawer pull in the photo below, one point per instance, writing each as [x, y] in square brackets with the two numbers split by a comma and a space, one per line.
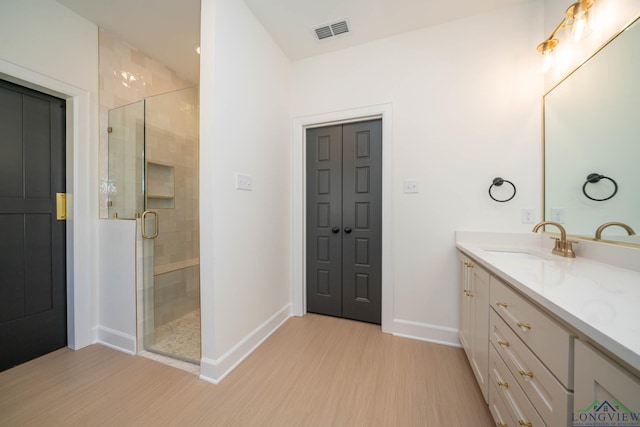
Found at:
[503, 384]
[504, 343]
[469, 294]
[502, 304]
[524, 325]
[524, 423]
[526, 374]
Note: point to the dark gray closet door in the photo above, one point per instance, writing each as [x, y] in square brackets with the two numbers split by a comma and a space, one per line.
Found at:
[324, 220]
[362, 214]
[33, 317]
[344, 220]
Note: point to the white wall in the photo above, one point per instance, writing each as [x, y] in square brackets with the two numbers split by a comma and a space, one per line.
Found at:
[244, 127]
[43, 36]
[45, 46]
[466, 108]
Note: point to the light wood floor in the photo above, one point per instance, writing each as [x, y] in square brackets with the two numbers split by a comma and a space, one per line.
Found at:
[314, 371]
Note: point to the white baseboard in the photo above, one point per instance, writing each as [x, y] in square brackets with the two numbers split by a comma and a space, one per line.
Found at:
[214, 371]
[426, 332]
[116, 340]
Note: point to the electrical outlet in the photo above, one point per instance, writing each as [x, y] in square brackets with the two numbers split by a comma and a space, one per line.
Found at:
[528, 215]
[244, 182]
[411, 187]
[557, 215]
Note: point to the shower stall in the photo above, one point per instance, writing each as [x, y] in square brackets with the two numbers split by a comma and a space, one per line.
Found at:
[153, 178]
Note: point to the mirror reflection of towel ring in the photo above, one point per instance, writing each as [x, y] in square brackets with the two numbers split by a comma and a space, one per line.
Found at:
[594, 178]
[497, 182]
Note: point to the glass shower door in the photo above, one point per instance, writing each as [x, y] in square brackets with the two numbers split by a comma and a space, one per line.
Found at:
[171, 264]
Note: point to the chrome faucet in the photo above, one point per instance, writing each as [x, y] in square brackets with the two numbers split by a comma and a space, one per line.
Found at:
[563, 247]
[608, 224]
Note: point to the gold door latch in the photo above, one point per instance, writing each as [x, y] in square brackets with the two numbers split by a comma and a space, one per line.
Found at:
[61, 206]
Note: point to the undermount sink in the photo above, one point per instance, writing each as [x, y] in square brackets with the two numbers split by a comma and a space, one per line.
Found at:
[515, 255]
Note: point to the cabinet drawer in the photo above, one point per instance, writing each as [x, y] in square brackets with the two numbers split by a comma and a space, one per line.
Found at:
[549, 341]
[498, 408]
[552, 401]
[519, 407]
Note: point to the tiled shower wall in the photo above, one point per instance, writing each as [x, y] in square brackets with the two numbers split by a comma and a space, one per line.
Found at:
[172, 140]
[127, 75]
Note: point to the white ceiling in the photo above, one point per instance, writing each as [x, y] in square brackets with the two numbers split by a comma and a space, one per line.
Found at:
[291, 22]
[167, 30]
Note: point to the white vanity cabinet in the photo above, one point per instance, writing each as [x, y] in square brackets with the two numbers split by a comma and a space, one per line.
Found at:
[538, 366]
[564, 348]
[474, 319]
[602, 382]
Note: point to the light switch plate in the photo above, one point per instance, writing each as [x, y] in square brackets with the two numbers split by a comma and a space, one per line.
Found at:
[411, 186]
[244, 182]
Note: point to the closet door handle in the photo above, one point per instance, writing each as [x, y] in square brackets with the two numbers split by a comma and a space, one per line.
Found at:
[347, 230]
[335, 230]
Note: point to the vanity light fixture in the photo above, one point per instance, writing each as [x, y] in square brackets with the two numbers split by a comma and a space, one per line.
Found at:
[577, 21]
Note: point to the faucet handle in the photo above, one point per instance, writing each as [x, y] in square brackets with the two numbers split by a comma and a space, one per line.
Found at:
[558, 247]
[568, 249]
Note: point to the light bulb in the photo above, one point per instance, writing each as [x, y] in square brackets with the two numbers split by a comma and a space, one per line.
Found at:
[547, 60]
[579, 16]
[546, 49]
[579, 26]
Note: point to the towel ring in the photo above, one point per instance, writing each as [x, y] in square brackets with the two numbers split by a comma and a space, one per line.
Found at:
[497, 182]
[594, 178]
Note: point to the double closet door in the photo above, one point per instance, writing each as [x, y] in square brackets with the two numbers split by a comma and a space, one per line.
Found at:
[344, 220]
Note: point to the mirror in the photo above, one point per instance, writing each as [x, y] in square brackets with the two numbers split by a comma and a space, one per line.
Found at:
[592, 126]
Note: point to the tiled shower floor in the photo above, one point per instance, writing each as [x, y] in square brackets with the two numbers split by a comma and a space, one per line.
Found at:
[180, 337]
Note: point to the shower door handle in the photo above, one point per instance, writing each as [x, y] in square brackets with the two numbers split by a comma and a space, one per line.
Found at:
[143, 219]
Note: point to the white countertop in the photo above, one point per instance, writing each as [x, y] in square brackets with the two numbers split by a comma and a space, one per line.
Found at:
[601, 301]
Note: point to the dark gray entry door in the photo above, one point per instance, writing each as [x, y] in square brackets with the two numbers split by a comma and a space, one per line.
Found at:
[344, 220]
[32, 243]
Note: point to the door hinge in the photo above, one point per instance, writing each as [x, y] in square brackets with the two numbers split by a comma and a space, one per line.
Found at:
[61, 206]
[109, 129]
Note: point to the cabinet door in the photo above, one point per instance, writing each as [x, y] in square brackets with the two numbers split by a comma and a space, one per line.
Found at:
[603, 389]
[464, 331]
[479, 306]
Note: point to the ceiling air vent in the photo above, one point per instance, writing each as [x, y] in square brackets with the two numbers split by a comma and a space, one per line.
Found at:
[339, 28]
[330, 30]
